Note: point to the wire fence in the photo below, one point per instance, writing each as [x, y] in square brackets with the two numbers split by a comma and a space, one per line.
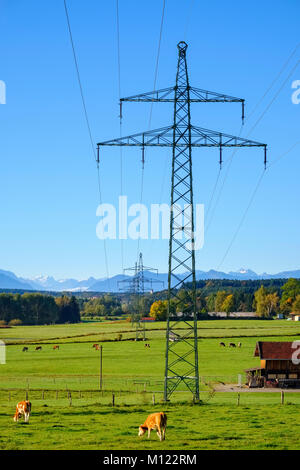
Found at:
[107, 383]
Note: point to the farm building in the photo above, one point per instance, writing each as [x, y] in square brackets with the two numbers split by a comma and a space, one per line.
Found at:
[278, 365]
[295, 316]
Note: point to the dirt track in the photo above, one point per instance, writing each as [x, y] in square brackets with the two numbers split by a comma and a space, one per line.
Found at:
[236, 388]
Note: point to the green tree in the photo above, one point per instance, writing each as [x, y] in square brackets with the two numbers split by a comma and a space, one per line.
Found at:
[68, 309]
[259, 301]
[182, 301]
[290, 290]
[210, 302]
[39, 309]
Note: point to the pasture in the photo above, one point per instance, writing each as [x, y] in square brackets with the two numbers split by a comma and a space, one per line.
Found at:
[70, 412]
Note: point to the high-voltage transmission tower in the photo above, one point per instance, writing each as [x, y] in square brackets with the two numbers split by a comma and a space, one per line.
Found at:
[137, 286]
[181, 361]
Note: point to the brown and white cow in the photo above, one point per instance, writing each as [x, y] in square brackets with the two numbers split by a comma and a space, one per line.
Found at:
[157, 422]
[23, 408]
[56, 346]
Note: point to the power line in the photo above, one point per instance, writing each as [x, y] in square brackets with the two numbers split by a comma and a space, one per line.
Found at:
[87, 122]
[252, 199]
[274, 98]
[284, 154]
[79, 82]
[151, 106]
[229, 163]
[243, 218]
[120, 117]
[273, 82]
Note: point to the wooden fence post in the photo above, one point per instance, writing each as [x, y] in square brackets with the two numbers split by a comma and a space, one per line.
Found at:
[113, 399]
[238, 399]
[153, 399]
[101, 364]
[282, 397]
[70, 398]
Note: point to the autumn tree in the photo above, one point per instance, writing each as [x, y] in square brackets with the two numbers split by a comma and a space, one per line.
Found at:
[266, 303]
[228, 304]
[219, 300]
[159, 310]
[296, 305]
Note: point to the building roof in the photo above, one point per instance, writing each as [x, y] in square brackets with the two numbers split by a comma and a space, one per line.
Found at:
[253, 369]
[282, 350]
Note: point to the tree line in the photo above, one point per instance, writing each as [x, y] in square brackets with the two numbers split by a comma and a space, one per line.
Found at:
[37, 309]
[267, 300]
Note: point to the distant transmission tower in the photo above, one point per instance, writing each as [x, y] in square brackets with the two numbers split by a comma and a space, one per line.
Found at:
[181, 366]
[137, 286]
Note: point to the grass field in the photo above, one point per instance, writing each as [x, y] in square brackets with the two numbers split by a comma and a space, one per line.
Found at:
[131, 372]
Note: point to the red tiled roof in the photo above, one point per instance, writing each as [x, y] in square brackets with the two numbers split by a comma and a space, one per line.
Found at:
[275, 350]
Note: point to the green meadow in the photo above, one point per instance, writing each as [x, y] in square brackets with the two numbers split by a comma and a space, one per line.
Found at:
[69, 411]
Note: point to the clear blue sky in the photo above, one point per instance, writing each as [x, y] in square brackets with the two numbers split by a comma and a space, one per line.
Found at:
[48, 181]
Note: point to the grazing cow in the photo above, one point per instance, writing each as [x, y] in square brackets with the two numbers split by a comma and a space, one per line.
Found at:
[95, 345]
[38, 348]
[222, 344]
[239, 345]
[232, 345]
[23, 408]
[157, 422]
[25, 348]
[56, 346]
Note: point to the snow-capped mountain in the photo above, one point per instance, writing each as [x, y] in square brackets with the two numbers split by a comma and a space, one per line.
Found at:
[8, 280]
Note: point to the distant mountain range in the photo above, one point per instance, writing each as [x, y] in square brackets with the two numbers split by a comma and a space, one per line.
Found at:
[8, 280]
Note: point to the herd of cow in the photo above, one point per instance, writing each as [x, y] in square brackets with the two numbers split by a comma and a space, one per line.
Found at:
[231, 345]
[38, 348]
[155, 422]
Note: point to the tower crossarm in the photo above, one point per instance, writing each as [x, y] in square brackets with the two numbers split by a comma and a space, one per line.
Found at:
[165, 95]
[197, 95]
[172, 94]
[199, 137]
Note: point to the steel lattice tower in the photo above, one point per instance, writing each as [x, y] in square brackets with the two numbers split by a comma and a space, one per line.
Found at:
[137, 286]
[181, 365]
